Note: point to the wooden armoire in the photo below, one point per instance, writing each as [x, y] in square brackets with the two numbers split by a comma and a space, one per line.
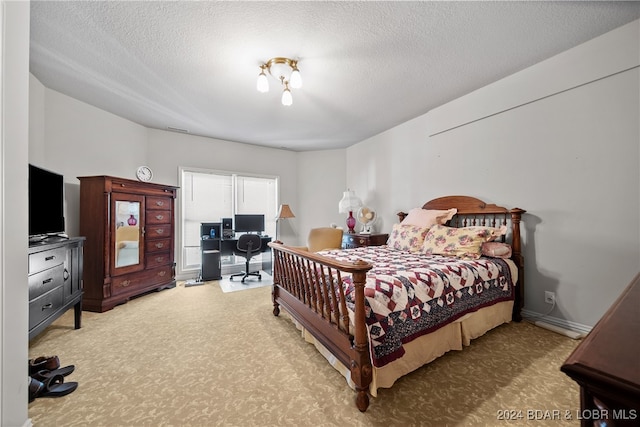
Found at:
[130, 231]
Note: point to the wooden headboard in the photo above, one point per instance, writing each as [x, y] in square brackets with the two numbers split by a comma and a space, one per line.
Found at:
[472, 211]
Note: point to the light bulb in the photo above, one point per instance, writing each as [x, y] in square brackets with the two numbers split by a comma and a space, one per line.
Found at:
[287, 99]
[262, 84]
[296, 79]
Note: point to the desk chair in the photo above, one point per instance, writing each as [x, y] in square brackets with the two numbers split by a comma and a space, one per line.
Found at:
[248, 246]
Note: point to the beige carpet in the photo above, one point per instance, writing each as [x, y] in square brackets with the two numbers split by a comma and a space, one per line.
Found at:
[196, 356]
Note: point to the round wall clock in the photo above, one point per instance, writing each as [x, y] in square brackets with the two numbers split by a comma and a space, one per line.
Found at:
[144, 173]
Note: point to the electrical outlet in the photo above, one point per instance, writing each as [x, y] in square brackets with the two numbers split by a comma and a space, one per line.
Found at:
[549, 297]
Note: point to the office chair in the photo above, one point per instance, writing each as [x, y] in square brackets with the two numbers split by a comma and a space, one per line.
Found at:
[248, 246]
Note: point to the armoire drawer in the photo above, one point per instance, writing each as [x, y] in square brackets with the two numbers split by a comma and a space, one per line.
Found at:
[45, 305]
[158, 245]
[158, 259]
[159, 217]
[142, 279]
[158, 231]
[158, 203]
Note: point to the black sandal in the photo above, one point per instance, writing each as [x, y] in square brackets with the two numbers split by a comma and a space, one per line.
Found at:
[44, 374]
[54, 386]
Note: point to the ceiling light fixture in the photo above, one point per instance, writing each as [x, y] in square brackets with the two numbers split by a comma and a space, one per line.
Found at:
[286, 71]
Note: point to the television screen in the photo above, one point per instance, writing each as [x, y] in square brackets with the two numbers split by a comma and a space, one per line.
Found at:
[46, 202]
[248, 223]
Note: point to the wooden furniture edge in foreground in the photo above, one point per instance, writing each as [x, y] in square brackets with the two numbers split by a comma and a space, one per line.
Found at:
[606, 366]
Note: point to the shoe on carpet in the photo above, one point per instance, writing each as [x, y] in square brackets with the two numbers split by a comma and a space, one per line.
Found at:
[43, 363]
[44, 374]
[54, 386]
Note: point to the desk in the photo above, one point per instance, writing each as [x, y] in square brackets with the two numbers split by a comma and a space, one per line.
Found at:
[213, 249]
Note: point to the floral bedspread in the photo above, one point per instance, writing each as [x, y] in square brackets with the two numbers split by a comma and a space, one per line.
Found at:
[408, 295]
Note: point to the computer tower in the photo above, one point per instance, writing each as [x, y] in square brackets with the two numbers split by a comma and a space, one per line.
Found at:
[227, 228]
[210, 247]
[211, 264]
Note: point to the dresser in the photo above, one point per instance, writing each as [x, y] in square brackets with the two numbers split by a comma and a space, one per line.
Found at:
[606, 365]
[355, 240]
[130, 231]
[55, 281]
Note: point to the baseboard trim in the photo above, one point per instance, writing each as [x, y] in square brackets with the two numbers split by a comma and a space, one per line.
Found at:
[533, 317]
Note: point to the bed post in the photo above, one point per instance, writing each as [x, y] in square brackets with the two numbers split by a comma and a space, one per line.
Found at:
[517, 257]
[361, 369]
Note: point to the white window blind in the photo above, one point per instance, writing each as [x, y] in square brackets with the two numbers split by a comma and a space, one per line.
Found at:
[208, 196]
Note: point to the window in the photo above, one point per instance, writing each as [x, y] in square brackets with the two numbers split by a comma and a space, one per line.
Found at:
[208, 196]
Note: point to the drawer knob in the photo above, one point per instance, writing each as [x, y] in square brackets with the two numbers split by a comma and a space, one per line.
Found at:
[50, 258]
[159, 217]
[49, 280]
[160, 231]
[125, 283]
[162, 273]
[160, 203]
[159, 259]
[47, 306]
[159, 245]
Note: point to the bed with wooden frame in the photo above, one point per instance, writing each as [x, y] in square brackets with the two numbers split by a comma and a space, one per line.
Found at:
[326, 298]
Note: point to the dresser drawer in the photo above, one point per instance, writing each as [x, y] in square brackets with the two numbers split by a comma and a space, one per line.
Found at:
[158, 203]
[158, 245]
[158, 259]
[43, 282]
[158, 231]
[158, 217]
[143, 279]
[359, 240]
[46, 259]
[44, 306]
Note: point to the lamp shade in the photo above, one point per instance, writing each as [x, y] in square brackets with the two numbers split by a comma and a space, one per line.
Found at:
[263, 84]
[349, 202]
[285, 212]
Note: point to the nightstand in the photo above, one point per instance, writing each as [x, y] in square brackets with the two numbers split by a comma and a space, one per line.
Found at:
[355, 240]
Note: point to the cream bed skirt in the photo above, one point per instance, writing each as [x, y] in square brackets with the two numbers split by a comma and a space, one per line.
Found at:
[428, 347]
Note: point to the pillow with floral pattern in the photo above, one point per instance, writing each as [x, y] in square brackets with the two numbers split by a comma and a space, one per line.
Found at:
[407, 237]
[464, 242]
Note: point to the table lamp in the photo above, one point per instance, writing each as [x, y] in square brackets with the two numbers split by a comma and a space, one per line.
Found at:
[283, 213]
[349, 203]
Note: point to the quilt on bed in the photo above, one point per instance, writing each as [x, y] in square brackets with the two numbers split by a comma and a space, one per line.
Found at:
[411, 294]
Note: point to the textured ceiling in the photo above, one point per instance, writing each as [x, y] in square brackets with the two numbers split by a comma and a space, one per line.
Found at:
[366, 66]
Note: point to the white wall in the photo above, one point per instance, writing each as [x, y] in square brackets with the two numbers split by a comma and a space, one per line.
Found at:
[559, 139]
[321, 179]
[14, 128]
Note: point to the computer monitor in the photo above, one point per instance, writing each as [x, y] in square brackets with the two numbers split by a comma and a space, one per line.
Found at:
[249, 223]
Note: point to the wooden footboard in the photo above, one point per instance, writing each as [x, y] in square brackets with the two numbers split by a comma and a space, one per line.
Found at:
[310, 288]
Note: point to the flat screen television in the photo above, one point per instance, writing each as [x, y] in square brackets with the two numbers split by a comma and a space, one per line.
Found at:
[46, 203]
[249, 223]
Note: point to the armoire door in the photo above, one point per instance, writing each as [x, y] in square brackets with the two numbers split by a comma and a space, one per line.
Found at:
[127, 233]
